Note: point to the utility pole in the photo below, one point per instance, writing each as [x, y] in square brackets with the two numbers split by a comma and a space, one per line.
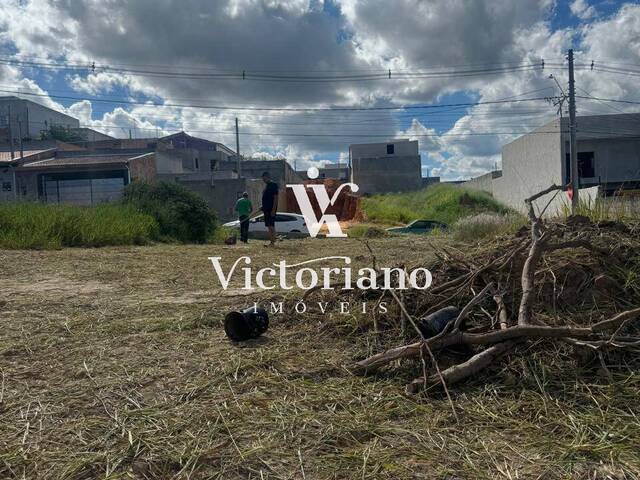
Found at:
[573, 149]
[10, 132]
[238, 166]
[20, 134]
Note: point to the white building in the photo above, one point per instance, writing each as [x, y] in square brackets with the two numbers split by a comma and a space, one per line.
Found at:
[20, 116]
[608, 158]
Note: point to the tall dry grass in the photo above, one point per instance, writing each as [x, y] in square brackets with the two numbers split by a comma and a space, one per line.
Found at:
[608, 208]
[486, 225]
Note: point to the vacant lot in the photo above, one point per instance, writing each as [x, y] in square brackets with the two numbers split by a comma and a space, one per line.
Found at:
[114, 364]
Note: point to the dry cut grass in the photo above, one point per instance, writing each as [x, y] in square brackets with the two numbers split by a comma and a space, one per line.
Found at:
[113, 364]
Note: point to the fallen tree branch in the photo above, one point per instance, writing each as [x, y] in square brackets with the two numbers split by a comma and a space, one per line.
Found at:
[616, 321]
[578, 243]
[538, 240]
[532, 332]
[503, 319]
[424, 344]
[542, 193]
[464, 370]
[528, 275]
[467, 308]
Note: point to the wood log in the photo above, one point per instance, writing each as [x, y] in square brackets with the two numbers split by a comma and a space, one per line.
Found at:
[464, 370]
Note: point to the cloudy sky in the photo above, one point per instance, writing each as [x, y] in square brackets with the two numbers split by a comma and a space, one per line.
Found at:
[316, 74]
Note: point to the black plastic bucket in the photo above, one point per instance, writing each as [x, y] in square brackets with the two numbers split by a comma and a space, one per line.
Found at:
[247, 324]
[436, 322]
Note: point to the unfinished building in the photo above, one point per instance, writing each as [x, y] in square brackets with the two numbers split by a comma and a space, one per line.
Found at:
[385, 167]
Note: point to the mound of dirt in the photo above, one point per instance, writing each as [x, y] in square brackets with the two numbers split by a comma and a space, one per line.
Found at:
[346, 206]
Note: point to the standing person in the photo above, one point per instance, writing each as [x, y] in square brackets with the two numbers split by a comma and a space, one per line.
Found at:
[244, 209]
[270, 206]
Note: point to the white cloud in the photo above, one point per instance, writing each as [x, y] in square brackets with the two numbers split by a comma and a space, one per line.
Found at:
[297, 36]
[582, 10]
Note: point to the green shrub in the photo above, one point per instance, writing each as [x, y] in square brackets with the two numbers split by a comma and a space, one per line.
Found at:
[32, 225]
[363, 230]
[485, 225]
[181, 214]
[445, 203]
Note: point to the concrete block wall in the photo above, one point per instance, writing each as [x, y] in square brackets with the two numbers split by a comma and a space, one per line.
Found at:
[386, 175]
[221, 194]
[401, 148]
[428, 181]
[143, 168]
[27, 186]
[483, 182]
[281, 172]
[7, 184]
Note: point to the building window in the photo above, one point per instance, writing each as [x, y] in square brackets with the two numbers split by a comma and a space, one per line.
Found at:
[586, 165]
[197, 164]
[6, 186]
[390, 149]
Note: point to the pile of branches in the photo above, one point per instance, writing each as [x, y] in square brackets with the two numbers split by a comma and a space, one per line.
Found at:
[559, 282]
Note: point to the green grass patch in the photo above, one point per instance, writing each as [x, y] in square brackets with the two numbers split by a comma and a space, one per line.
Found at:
[31, 225]
[445, 203]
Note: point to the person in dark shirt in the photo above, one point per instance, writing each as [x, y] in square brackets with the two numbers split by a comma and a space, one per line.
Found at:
[270, 206]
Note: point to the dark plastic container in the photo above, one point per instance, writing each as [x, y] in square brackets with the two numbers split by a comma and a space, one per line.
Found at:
[247, 324]
[436, 322]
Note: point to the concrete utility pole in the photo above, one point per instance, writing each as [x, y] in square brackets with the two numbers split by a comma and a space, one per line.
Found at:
[238, 166]
[10, 132]
[20, 134]
[573, 149]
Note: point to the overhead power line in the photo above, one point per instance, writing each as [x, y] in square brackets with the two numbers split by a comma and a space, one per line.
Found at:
[613, 100]
[276, 109]
[283, 76]
[215, 68]
[318, 135]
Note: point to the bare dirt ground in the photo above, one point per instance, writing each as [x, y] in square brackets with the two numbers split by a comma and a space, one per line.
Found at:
[114, 364]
